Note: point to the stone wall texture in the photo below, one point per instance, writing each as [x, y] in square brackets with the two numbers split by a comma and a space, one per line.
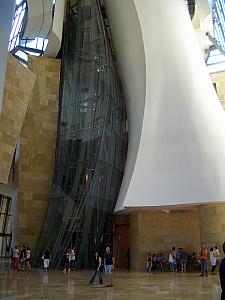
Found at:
[155, 231]
[19, 83]
[212, 224]
[37, 149]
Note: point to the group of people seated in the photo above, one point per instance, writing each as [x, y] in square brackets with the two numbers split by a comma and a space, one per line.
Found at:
[154, 262]
[179, 260]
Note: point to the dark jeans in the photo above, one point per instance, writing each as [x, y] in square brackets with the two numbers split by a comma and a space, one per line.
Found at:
[204, 270]
[213, 268]
[72, 264]
[100, 281]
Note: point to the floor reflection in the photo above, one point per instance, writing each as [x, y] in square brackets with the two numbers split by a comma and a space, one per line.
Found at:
[127, 285]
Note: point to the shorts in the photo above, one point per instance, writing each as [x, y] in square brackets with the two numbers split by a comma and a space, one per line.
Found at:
[108, 269]
[46, 263]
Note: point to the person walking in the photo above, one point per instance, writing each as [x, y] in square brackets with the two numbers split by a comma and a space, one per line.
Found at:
[15, 254]
[67, 261]
[109, 262]
[203, 260]
[97, 269]
[222, 275]
[47, 258]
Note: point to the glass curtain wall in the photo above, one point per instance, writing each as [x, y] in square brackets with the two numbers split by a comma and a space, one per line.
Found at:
[218, 12]
[91, 143]
[5, 225]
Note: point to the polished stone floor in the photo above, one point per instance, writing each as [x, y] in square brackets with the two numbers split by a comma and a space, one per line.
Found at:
[56, 285]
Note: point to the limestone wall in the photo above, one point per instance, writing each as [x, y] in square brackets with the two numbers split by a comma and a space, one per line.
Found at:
[212, 224]
[155, 231]
[219, 80]
[19, 83]
[37, 150]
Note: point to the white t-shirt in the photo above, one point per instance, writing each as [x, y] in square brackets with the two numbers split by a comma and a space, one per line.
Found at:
[217, 254]
[28, 253]
[212, 258]
[171, 258]
[16, 252]
[72, 254]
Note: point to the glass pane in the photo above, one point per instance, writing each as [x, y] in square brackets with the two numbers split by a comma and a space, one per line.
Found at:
[91, 144]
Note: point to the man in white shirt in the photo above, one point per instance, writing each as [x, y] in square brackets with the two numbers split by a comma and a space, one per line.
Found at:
[72, 261]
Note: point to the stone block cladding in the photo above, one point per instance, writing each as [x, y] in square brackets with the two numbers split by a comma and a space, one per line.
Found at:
[19, 83]
[37, 149]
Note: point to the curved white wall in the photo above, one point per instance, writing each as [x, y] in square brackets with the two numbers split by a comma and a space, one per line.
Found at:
[177, 131]
[129, 48]
[55, 36]
[39, 18]
[40, 23]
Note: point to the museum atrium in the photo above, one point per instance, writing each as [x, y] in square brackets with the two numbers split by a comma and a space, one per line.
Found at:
[112, 133]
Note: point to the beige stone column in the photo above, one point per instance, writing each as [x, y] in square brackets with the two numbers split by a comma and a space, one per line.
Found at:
[136, 259]
[19, 83]
[37, 149]
[212, 224]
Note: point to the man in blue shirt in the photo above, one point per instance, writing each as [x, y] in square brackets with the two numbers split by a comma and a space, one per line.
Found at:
[109, 262]
[222, 275]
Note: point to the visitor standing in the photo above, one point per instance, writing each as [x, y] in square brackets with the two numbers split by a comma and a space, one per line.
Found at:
[97, 269]
[23, 256]
[28, 259]
[160, 261]
[149, 262]
[67, 261]
[183, 259]
[73, 259]
[212, 260]
[222, 275]
[154, 262]
[203, 260]
[109, 262]
[174, 255]
[47, 258]
[178, 260]
[16, 253]
[217, 254]
[171, 262]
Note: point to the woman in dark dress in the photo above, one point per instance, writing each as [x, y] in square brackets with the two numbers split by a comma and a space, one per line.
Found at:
[97, 269]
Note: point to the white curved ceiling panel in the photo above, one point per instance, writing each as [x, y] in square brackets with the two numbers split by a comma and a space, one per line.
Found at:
[47, 18]
[176, 150]
[55, 36]
[39, 18]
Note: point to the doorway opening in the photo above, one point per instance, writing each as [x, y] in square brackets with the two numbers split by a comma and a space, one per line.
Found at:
[121, 245]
